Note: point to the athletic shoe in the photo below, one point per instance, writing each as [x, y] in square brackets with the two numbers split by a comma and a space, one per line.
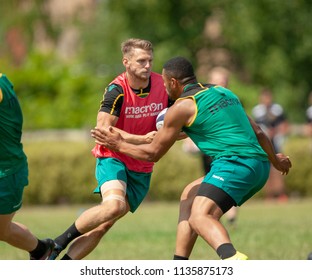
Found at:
[237, 256]
[309, 256]
[56, 251]
[49, 243]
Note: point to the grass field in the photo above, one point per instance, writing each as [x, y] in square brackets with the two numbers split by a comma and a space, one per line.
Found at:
[265, 231]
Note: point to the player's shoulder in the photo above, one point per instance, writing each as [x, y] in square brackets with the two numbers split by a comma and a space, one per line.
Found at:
[6, 86]
[184, 106]
[114, 88]
[113, 91]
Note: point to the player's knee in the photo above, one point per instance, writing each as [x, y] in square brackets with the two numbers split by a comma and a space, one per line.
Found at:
[194, 222]
[115, 205]
[116, 209]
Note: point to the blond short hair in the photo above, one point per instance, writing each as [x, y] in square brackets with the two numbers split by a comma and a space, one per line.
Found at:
[133, 43]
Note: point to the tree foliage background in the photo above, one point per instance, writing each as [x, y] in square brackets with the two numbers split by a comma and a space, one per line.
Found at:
[60, 55]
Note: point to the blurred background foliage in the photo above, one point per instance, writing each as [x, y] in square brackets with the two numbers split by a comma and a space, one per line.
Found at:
[60, 55]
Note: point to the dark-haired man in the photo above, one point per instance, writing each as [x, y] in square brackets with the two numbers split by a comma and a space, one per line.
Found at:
[213, 117]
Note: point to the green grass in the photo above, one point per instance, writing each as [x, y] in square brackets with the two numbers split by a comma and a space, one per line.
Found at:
[265, 231]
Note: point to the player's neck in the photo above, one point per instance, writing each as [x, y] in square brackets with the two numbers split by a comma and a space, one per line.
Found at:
[136, 83]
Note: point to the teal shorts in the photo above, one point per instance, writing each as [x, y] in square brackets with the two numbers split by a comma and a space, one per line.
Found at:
[137, 183]
[11, 190]
[239, 177]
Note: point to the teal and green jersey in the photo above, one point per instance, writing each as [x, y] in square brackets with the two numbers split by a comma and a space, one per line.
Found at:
[221, 127]
[12, 156]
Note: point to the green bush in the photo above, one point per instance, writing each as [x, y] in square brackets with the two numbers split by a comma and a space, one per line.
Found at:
[299, 179]
[60, 172]
[63, 172]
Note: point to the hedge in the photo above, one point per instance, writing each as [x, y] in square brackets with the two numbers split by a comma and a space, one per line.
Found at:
[63, 172]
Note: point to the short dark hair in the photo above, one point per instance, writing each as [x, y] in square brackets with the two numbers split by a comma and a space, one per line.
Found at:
[179, 68]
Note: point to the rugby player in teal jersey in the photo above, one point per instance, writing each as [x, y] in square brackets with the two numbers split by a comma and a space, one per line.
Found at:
[14, 176]
[213, 117]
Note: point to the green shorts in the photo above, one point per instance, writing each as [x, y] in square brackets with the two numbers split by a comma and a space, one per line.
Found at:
[11, 190]
[239, 177]
[137, 183]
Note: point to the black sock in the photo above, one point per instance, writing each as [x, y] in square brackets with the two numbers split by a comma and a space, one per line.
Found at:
[176, 257]
[66, 257]
[226, 250]
[70, 234]
[39, 250]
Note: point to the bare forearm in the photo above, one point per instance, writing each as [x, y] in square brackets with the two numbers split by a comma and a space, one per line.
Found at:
[264, 141]
[105, 120]
[141, 152]
[267, 146]
[133, 138]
